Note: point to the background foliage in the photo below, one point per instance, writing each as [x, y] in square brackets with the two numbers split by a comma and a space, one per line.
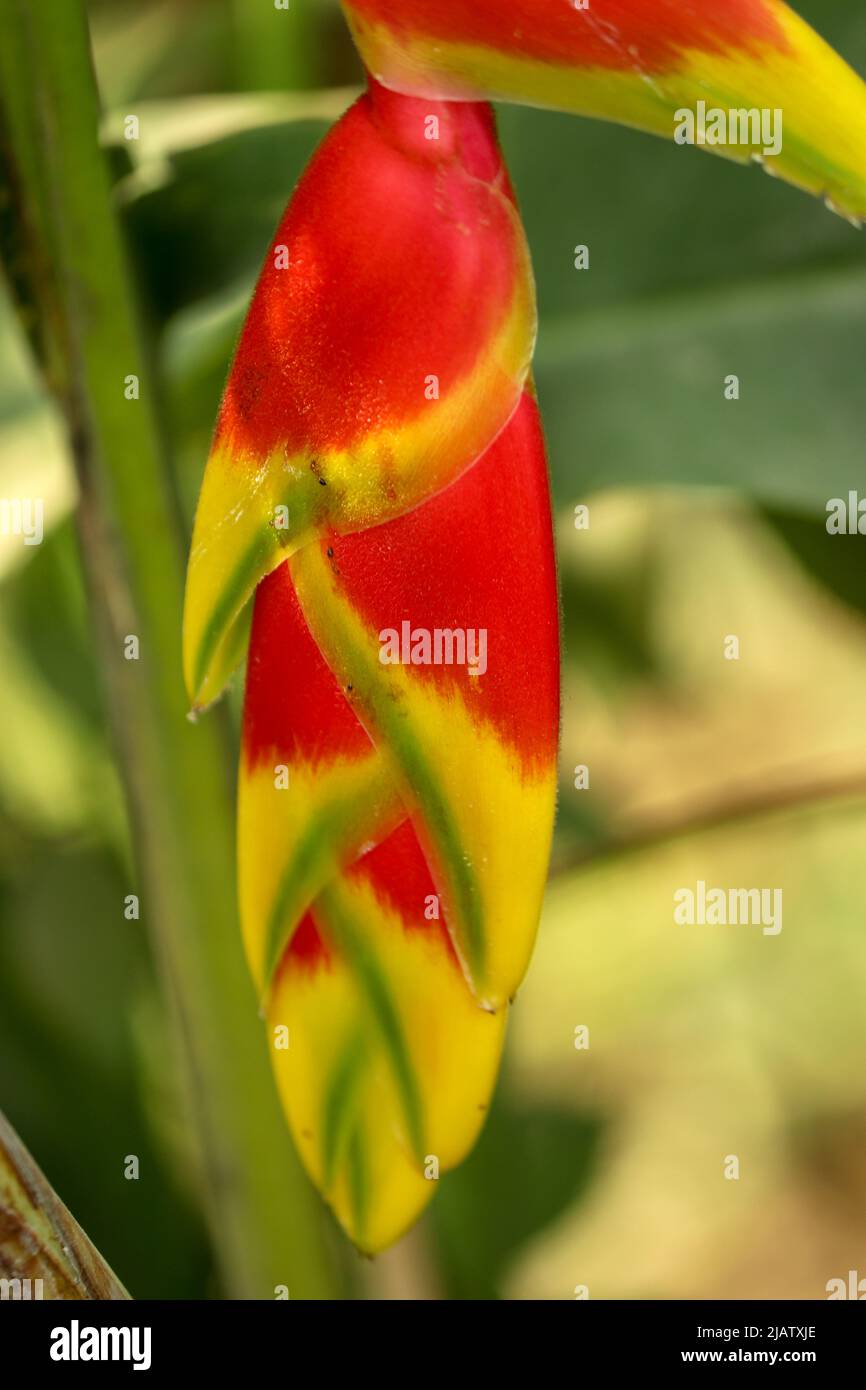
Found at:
[707, 518]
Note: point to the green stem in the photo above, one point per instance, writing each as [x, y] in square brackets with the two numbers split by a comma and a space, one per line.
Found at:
[276, 49]
[67, 257]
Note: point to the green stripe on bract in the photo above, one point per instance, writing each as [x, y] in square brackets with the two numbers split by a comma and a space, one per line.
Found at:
[220, 649]
[362, 959]
[305, 874]
[254, 564]
[340, 1111]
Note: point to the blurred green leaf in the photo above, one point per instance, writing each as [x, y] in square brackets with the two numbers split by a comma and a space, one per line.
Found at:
[636, 395]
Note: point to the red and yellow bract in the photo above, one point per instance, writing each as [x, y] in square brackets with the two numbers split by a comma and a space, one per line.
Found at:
[637, 62]
[388, 342]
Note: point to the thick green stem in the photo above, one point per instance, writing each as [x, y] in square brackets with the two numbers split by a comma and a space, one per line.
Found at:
[67, 257]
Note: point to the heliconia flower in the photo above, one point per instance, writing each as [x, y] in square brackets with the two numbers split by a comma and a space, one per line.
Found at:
[377, 487]
[385, 809]
[640, 62]
[378, 476]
